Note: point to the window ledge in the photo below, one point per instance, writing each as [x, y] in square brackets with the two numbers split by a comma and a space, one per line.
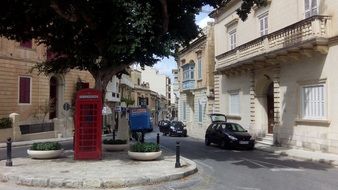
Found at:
[235, 117]
[312, 122]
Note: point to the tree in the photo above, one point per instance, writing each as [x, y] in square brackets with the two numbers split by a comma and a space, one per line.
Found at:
[105, 36]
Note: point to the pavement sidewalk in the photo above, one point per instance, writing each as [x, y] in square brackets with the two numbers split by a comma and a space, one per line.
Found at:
[327, 158]
[115, 170]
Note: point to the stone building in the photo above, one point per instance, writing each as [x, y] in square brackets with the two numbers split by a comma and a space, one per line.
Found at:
[32, 99]
[196, 82]
[275, 72]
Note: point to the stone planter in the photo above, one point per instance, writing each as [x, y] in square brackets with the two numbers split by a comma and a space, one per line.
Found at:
[115, 147]
[44, 154]
[144, 156]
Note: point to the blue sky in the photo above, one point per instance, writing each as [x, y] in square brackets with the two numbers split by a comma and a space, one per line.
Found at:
[166, 65]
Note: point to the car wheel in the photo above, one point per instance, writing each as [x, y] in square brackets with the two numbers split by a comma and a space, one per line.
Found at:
[207, 141]
[170, 134]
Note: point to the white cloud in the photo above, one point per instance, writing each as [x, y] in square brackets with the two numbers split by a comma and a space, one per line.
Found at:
[165, 66]
[203, 23]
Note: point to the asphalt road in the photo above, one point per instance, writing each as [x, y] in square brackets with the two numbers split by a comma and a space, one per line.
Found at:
[249, 170]
[235, 169]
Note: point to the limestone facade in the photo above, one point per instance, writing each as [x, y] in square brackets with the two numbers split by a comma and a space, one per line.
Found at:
[196, 83]
[16, 62]
[275, 72]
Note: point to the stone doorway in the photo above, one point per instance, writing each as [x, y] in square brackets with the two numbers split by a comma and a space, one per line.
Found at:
[264, 105]
[53, 97]
[270, 108]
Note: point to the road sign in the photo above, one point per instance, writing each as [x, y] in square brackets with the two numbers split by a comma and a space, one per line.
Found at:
[66, 106]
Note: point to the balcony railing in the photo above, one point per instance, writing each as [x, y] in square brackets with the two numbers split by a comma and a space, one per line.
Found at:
[296, 34]
[126, 81]
[188, 85]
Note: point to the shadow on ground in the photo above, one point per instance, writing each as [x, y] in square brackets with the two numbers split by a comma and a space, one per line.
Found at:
[195, 149]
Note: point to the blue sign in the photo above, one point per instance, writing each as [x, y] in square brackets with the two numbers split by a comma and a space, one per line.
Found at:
[139, 119]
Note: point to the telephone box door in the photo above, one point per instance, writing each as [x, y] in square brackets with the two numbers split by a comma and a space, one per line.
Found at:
[88, 129]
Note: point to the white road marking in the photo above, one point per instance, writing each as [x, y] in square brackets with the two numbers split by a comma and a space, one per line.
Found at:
[247, 188]
[268, 163]
[278, 166]
[286, 169]
[205, 165]
[258, 164]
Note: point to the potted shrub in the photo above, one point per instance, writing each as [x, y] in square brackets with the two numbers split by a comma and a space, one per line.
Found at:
[144, 151]
[114, 145]
[45, 150]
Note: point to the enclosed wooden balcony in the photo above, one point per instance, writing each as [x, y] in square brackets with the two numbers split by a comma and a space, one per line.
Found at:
[301, 38]
[188, 85]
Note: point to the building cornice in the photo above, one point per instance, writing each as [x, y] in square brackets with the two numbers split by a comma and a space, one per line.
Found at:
[193, 45]
[223, 8]
[333, 40]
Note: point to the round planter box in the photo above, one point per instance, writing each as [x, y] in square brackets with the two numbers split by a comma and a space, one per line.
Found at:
[44, 154]
[144, 156]
[115, 147]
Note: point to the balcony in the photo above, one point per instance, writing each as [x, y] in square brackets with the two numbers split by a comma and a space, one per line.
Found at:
[126, 81]
[188, 85]
[308, 35]
[112, 96]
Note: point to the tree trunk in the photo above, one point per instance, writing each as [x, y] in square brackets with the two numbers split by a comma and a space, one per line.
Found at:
[101, 84]
[103, 76]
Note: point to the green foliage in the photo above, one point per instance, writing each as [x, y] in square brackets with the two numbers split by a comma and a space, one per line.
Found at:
[46, 146]
[104, 37]
[145, 147]
[117, 141]
[246, 7]
[5, 122]
[128, 101]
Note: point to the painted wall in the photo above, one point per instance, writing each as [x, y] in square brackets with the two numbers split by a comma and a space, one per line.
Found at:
[157, 82]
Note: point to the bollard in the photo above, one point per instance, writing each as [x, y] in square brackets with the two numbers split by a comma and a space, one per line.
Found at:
[142, 138]
[73, 139]
[9, 152]
[114, 135]
[158, 138]
[177, 164]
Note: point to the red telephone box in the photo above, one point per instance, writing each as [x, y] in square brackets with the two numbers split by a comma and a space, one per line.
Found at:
[88, 121]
